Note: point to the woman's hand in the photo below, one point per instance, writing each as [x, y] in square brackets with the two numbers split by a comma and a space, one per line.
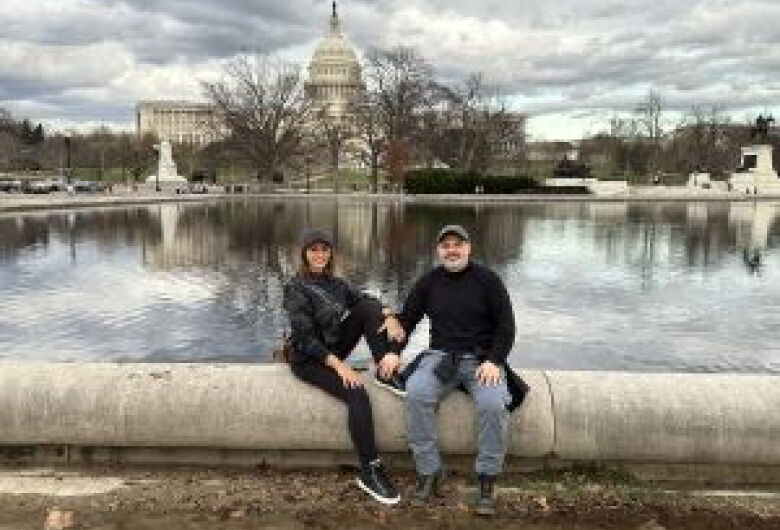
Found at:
[394, 329]
[349, 377]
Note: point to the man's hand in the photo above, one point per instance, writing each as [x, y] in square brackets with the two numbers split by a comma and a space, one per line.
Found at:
[488, 374]
[394, 329]
[389, 365]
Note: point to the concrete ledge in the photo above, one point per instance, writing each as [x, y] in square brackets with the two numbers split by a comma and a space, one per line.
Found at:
[675, 418]
[225, 406]
[255, 414]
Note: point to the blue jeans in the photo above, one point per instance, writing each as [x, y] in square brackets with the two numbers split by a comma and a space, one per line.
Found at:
[424, 392]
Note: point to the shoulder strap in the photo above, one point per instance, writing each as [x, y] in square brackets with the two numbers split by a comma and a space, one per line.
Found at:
[319, 291]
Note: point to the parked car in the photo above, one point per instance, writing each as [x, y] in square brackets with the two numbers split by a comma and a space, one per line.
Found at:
[9, 186]
[89, 186]
[192, 187]
[36, 186]
[58, 184]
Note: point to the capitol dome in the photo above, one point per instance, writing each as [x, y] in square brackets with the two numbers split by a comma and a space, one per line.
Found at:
[334, 72]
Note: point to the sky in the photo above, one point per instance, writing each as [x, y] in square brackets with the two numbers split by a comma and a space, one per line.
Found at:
[569, 64]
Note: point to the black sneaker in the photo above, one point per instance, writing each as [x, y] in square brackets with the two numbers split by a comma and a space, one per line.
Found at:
[428, 486]
[486, 501]
[393, 384]
[374, 481]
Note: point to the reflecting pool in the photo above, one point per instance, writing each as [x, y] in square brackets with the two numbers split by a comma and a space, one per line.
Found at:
[595, 285]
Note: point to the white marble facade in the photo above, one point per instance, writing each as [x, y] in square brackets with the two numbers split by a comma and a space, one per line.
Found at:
[756, 175]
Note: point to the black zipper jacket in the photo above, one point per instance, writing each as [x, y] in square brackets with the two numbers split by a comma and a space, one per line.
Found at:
[316, 305]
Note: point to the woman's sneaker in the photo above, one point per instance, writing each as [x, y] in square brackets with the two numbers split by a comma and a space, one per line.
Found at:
[374, 481]
[393, 384]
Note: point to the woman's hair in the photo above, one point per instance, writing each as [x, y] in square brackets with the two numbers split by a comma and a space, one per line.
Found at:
[304, 270]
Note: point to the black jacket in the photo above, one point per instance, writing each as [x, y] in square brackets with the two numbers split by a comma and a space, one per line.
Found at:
[316, 306]
[469, 310]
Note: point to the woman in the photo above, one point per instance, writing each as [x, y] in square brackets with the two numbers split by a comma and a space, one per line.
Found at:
[328, 317]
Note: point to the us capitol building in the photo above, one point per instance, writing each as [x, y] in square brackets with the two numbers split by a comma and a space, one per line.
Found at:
[334, 76]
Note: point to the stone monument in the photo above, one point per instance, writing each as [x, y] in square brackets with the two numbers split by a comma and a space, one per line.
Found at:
[166, 167]
[756, 174]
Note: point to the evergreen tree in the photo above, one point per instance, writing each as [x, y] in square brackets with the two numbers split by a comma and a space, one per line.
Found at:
[37, 135]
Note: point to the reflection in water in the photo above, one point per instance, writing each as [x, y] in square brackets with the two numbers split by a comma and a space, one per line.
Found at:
[595, 285]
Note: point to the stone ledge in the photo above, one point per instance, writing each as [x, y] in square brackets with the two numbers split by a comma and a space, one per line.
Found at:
[176, 413]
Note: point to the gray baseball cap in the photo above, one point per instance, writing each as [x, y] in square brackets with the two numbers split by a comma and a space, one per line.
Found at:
[316, 235]
[455, 230]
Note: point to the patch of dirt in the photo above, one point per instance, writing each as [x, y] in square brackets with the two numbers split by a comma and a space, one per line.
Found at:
[268, 498]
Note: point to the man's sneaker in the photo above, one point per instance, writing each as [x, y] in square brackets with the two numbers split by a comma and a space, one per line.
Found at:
[486, 502]
[393, 384]
[428, 486]
[374, 481]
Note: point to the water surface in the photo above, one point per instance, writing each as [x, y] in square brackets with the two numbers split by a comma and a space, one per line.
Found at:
[616, 286]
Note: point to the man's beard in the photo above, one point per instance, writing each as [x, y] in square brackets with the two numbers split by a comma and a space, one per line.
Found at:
[455, 266]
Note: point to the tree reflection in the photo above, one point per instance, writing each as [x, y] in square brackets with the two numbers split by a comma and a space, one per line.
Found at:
[241, 251]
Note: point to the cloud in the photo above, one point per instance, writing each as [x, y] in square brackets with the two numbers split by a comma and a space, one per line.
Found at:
[561, 58]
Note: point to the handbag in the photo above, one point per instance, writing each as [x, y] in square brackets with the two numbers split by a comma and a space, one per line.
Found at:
[283, 352]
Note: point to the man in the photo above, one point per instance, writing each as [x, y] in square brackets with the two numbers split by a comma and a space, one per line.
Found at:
[472, 332]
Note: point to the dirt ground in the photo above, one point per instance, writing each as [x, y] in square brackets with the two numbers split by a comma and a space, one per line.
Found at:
[112, 499]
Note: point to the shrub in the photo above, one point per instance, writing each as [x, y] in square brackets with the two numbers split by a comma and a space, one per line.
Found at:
[447, 181]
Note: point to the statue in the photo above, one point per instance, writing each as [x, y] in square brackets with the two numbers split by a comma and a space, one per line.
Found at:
[166, 167]
[760, 132]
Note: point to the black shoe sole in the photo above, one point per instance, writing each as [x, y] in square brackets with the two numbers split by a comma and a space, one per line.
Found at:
[485, 511]
[388, 501]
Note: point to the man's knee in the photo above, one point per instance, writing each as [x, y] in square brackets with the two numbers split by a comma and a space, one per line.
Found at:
[420, 389]
[491, 401]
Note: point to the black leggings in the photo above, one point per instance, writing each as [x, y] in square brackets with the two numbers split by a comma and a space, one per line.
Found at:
[363, 321]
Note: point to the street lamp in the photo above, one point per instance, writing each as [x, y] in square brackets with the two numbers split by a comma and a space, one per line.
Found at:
[67, 158]
[308, 174]
[158, 147]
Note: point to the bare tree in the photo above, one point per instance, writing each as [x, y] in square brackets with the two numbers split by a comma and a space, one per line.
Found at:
[397, 159]
[261, 101]
[10, 145]
[477, 128]
[628, 149]
[367, 127]
[705, 140]
[388, 112]
[333, 133]
[401, 81]
[650, 117]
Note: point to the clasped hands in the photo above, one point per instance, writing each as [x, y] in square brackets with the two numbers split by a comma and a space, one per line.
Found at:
[392, 326]
[488, 373]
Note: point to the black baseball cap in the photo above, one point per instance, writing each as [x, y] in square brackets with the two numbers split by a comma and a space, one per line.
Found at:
[316, 235]
[454, 230]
